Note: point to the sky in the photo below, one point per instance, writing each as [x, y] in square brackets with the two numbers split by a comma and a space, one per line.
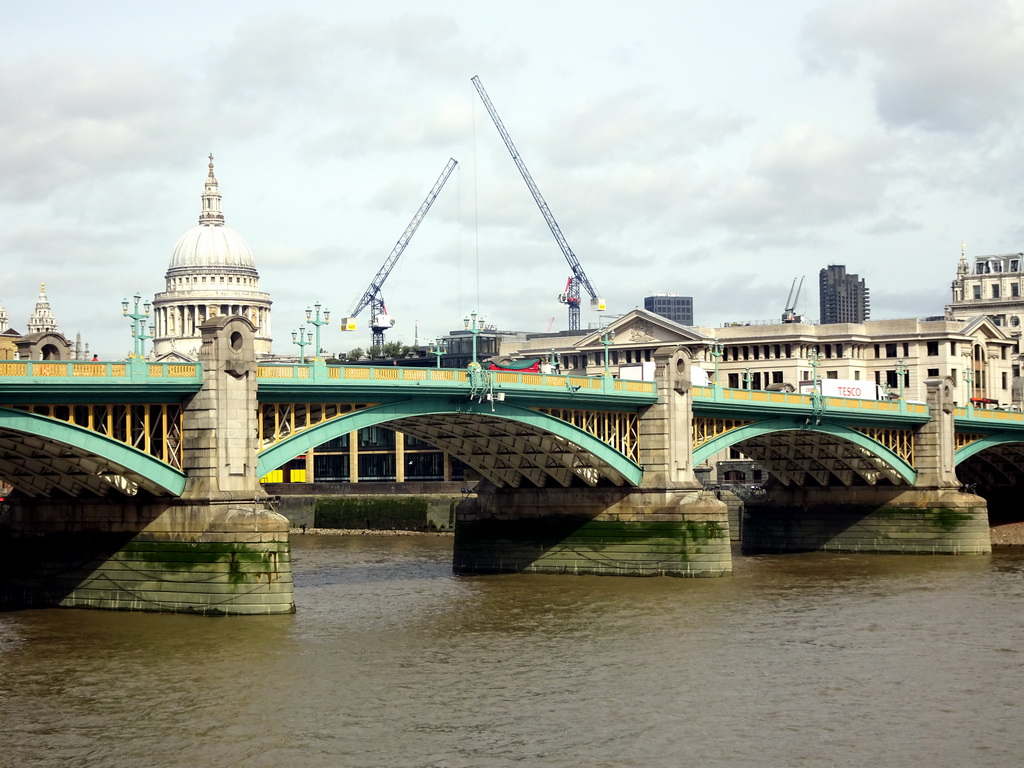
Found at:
[719, 149]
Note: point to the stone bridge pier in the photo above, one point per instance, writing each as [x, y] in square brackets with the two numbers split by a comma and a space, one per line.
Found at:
[932, 517]
[218, 549]
[669, 525]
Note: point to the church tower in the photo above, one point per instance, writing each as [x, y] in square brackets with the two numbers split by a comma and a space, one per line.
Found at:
[42, 319]
[211, 274]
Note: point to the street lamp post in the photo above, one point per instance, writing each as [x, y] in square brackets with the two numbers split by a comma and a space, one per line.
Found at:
[716, 353]
[607, 338]
[901, 372]
[438, 350]
[814, 358]
[303, 339]
[746, 378]
[969, 375]
[474, 325]
[138, 328]
[317, 323]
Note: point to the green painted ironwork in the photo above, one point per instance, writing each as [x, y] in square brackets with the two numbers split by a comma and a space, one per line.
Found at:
[285, 450]
[746, 432]
[280, 383]
[123, 458]
[79, 381]
[760, 404]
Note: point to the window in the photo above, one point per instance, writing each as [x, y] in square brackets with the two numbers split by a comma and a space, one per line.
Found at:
[933, 372]
[1004, 379]
[734, 381]
[977, 291]
[933, 349]
[1015, 265]
[995, 291]
[1015, 290]
[890, 350]
[831, 374]
[906, 349]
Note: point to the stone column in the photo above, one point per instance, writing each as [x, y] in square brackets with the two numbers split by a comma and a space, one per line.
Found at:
[932, 517]
[667, 526]
[935, 442]
[218, 549]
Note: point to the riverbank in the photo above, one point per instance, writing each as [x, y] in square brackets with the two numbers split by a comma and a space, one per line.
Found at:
[1011, 534]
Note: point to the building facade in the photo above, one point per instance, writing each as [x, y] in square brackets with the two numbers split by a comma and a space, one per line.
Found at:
[678, 309]
[842, 298]
[992, 285]
[212, 273]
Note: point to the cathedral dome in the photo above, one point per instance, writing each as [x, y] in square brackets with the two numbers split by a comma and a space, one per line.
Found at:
[211, 245]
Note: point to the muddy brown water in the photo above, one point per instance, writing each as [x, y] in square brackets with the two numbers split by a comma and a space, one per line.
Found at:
[390, 660]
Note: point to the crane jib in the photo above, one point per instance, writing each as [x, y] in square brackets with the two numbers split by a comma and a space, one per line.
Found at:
[372, 293]
[580, 277]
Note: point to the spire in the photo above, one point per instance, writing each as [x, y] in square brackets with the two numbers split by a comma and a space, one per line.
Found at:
[42, 318]
[211, 214]
[962, 267]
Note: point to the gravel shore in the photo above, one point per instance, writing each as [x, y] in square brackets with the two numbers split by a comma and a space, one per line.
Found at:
[1011, 534]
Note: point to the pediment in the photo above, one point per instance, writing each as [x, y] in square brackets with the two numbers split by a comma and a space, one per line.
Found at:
[174, 357]
[981, 326]
[642, 328]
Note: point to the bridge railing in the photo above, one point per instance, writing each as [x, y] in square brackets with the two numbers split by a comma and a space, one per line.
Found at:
[126, 371]
[743, 397]
[390, 374]
[990, 416]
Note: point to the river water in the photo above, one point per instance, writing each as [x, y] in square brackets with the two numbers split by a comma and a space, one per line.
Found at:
[390, 660]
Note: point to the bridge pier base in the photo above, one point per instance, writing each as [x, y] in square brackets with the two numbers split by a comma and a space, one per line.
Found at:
[207, 558]
[868, 519]
[604, 531]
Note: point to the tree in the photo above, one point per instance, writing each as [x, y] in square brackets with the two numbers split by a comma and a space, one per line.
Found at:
[393, 349]
[356, 354]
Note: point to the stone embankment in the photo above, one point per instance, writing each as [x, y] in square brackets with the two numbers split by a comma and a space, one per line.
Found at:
[363, 532]
[1011, 534]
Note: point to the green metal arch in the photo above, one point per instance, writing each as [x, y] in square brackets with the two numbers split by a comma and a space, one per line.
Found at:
[989, 441]
[728, 439]
[117, 453]
[282, 452]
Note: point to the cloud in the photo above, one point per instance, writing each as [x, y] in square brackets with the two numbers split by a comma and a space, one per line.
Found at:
[807, 178]
[939, 65]
[69, 116]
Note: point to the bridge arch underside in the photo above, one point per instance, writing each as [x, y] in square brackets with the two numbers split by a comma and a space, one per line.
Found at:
[798, 454]
[42, 457]
[510, 446]
[993, 467]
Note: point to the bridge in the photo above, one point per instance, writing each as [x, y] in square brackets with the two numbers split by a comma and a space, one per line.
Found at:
[136, 483]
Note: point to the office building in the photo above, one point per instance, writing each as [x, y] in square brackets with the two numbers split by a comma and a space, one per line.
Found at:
[842, 298]
[678, 309]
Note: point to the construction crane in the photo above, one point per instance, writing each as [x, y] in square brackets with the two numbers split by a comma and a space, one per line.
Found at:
[571, 295]
[789, 314]
[380, 320]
